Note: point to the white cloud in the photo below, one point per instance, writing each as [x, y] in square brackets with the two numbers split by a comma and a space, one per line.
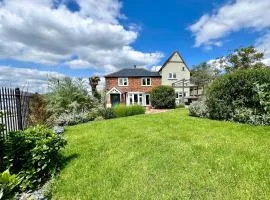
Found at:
[232, 17]
[39, 32]
[218, 63]
[263, 44]
[156, 68]
[31, 80]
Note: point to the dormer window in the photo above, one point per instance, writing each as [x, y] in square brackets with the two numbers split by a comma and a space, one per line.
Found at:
[172, 75]
[146, 81]
[122, 81]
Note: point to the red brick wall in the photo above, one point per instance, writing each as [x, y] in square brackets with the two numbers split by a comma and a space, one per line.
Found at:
[134, 84]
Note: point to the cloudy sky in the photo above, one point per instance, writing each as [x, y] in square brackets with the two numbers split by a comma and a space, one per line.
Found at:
[81, 38]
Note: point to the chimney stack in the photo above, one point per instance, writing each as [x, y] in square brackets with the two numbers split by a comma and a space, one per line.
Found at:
[134, 66]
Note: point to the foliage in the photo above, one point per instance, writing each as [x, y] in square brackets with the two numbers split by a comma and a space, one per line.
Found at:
[264, 95]
[203, 74]
[93, 81]
[124, 111]
[243, 58]
[213, 159]
[67, 96]
[2, 128]
[68, 119]
[99, 118]
[107, 113]
[246, 90]
[180, 105]
[34, 154]
[8, 184]
[198, 109]
[38, 114]
[163, 97]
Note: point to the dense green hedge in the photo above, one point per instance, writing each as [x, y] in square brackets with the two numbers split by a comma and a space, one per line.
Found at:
[163, 97]
[33, 154]
[236, 94]
[124, 111]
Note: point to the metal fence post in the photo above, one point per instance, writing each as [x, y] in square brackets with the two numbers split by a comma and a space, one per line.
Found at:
[18, 108]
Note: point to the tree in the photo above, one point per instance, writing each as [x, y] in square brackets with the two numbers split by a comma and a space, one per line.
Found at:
[203, 74]
[68, 95]
[93, 82]
[243, 58]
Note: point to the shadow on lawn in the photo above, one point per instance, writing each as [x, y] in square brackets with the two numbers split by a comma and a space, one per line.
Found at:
[67, 159]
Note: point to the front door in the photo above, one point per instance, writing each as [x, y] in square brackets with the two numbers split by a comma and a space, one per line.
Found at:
[115, 99]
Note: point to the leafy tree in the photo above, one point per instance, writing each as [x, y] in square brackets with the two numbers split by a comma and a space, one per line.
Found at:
[93, 81]
[243, 58]
[203, 74]
[68, 95]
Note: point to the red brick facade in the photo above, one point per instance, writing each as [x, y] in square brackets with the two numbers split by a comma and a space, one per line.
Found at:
[134, 84]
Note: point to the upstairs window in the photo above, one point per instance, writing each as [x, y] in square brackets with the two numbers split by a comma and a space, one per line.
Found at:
[122, 81]
[146, 81]
[172, 75]
[183, 68]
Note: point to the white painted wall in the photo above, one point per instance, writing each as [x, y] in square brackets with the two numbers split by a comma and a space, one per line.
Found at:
[175, 65]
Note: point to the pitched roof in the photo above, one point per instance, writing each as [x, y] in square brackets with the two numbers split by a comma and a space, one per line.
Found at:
[168, 60]
[133, 72]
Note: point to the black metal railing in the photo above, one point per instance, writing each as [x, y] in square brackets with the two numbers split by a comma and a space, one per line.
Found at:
[14, 104]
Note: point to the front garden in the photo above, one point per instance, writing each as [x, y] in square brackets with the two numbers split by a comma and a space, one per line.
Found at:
[165, 156]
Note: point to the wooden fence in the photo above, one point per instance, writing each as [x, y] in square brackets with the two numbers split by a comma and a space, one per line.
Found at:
[14, 104]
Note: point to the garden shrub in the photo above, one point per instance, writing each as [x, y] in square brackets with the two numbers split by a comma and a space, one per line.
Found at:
[241, 96]
[106, 113]
[124, 111]
[163, 97]
[34, 154]
[38, 114]
[180, 105]
[8, 184]
[198, 109]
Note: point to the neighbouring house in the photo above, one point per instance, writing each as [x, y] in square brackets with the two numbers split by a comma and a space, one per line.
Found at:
[133, 85]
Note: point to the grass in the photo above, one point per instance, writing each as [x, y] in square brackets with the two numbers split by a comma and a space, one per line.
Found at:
[165, 156]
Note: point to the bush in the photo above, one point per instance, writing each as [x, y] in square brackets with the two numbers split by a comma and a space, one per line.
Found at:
[236, 95]
[38, 114]
[180, 105]
[68, 96]
[198, 109]
[106, 113]
[163, 97]
[124, 111]
[8, 184]
[34, 154]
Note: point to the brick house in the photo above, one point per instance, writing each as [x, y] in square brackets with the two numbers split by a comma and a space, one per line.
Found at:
[133, 85]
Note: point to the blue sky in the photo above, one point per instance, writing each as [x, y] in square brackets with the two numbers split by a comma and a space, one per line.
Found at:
[80, 38]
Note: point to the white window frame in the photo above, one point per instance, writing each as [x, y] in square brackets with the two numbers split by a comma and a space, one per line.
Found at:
[141, 98]
[172, 75]
[142, 79]
[123, 80]
[149, 99]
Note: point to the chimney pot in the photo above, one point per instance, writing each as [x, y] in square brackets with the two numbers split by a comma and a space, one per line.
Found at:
[135, 66]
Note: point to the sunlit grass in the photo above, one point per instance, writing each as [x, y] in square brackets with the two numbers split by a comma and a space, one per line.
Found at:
[165, 156]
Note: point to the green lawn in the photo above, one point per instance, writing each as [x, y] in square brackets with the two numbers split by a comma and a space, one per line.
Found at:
[165, 156]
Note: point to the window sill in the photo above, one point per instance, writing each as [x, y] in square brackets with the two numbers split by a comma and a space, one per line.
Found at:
[172, 78]
[146, 85]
